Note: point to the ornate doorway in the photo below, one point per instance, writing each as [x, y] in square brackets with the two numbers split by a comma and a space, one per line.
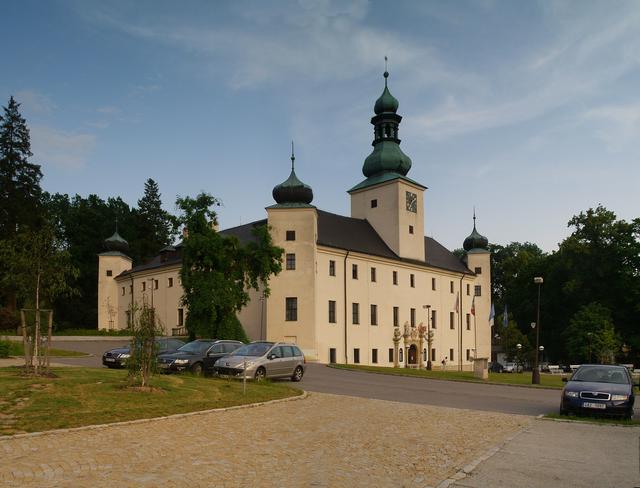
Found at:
[413, 354]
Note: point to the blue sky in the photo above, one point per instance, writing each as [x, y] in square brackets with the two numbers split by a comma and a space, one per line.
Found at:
[528, 110]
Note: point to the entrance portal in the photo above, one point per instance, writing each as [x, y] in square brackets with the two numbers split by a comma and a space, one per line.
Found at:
[413, 354]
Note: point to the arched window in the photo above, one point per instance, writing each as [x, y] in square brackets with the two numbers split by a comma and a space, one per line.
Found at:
[400, 355]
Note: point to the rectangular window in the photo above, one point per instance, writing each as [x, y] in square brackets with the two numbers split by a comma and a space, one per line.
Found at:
[155, 284]
[433, 354]
[452, 324]
[356, 355]
[109, 272]
[123, 291]
[332, 268]
[374, 356]
[468, 289]
[395, 277]
[179, 280]
[354, 271]
[169, 282]
[413, 317]
[412, 280]
[180, 317]
[291, 309]
[450, 354]
[374, 203]
[291, 261]
[332, 355]
[396, 318]
[374, 315]
[434, 324]
[468, 354]
[411, 229]
[332, 311]
[433, 283]
[291, 235]
[468, 321]
[144, 285]
[391, 354]
[478, 290]
[478, 270]
[373, 275]
[355, 313]
[451, 286]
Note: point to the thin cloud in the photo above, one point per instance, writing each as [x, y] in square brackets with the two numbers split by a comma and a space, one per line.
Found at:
[35, 102]
[64, 150]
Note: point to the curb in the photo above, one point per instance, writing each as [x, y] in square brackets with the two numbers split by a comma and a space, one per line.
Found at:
[444, 379]
[467, 469]
[587, 422]
[303, 396]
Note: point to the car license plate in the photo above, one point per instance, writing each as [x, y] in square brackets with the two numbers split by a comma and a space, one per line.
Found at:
[594, 405]
[110, 360]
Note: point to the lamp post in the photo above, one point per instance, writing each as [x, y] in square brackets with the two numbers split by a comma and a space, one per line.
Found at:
[518, 347]
[429, 336]
[535, 375]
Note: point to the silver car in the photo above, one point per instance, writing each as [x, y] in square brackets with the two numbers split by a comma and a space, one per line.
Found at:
[262, 359]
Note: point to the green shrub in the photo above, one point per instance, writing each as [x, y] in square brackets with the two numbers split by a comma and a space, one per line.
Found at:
[5, 347]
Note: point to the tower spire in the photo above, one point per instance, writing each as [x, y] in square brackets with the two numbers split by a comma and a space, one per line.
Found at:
[386, 72]
[293, 157]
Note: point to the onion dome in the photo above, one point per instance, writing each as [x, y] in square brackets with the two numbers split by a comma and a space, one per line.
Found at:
[387, 102]
[386, 157]
[475, 239]
[116, 243]
[292, 191]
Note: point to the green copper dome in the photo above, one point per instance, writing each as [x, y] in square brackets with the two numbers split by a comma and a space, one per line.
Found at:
[387, 102]
[116, 243]
[475, 239]
[386, 155]
[292, 191]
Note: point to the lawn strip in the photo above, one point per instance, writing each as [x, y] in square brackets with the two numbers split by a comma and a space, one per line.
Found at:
[592, 420]
[508, 379]
[87, 396]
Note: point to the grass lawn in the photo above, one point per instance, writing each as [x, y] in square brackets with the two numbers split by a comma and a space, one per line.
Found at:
[523, 379]
[17, 349]
[595, 420]
[80, 396]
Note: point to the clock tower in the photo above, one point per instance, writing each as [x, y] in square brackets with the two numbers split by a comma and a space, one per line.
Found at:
[390, 201]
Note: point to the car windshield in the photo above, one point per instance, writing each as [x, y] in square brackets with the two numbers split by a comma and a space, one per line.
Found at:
[195, 346]
[257, 349]
[598, 374]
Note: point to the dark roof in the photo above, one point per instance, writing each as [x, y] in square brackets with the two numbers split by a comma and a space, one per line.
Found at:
[339, 232]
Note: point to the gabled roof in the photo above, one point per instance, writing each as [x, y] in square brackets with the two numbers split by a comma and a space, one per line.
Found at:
[339, 232]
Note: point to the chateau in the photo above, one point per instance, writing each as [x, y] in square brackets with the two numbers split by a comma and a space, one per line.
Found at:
[365, 289]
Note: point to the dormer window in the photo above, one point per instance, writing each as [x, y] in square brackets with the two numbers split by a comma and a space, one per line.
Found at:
[374, 203]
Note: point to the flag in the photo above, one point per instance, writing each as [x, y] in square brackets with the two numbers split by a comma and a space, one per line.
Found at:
[492, 314]
[473, 306]
[458, 302]
[505, 317]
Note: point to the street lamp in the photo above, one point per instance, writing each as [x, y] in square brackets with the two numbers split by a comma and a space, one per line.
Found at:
[518, 347]
[429, 336]
[535, 375]
[541, 349]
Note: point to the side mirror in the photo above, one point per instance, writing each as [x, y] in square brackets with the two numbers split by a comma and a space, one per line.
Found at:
[271, 356]
[565, 379]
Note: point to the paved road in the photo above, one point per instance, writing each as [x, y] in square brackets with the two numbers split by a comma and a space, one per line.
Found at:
[95, 348]
[494, 398]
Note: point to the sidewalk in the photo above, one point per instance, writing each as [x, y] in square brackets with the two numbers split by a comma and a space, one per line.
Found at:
[561, 454]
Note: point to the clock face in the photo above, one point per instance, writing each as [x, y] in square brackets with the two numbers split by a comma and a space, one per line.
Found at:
[412, 202]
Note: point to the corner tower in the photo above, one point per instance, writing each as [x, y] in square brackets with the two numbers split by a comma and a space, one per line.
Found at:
[391, 202]
[111, 263]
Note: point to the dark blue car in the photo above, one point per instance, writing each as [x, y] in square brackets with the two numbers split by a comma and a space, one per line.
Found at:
[599, 389]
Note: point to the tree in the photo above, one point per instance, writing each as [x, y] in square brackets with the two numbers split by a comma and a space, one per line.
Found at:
[19, 182]
[591, 335]
[155, 226]
[144, 329]
[40, 269]
[217, 271]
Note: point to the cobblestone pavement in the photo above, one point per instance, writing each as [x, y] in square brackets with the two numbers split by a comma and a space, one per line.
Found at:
[322, 441]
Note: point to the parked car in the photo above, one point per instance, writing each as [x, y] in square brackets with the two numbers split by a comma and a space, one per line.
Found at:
[512, 368]
[189, 357]
[496, 367]
[264, 360]
[219, 350]
[117, 358]
[599, 389]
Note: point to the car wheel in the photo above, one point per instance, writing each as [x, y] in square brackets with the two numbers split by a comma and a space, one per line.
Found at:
[197, 369]
[297, 374]
[260, 374]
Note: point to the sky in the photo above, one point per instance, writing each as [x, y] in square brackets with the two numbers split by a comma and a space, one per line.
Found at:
[529, 111]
